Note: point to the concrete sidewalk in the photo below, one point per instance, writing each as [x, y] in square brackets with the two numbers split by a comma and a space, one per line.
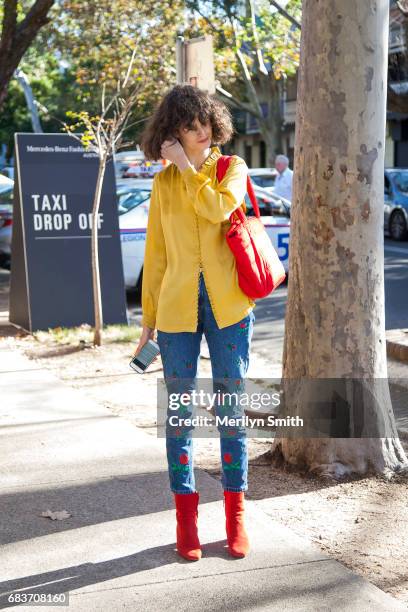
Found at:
[61, 451]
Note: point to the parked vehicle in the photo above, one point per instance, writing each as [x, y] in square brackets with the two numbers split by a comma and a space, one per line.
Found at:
[6, 219]
[263, 177]
[133, 223]
[133, 206]
[132, 164]
[396, 203]
[144, 169]
[8, 171]
[124, 159]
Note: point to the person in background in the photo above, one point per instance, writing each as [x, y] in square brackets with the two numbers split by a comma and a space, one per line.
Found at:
[283, 182]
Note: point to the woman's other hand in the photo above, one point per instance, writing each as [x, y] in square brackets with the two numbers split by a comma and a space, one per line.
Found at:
[147, 334]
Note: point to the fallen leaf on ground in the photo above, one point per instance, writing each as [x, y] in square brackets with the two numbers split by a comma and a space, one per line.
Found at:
[59, 515]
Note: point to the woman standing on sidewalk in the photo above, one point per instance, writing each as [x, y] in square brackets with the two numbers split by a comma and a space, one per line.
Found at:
[190, 287]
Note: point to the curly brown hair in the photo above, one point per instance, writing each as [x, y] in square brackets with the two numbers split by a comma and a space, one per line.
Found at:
[179, 108]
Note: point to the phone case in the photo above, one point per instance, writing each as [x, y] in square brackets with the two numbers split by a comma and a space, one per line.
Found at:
[145, 357]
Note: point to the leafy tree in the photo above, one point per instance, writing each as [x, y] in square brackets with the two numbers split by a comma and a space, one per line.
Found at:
[97, 39]
[104, 135]
[256, 50]
[52, 85]
[88, 44]
[19, 27]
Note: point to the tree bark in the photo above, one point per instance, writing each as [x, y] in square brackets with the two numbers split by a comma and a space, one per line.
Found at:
[96, 279]
[16, 38]
[335, 320]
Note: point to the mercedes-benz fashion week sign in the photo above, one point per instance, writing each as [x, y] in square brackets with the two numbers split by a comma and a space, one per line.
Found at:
[51, 272]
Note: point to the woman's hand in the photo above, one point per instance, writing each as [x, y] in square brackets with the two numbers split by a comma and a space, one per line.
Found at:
[147, 334]
[174, 152]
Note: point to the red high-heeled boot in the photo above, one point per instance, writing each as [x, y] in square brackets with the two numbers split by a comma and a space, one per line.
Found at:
[237, 537]
[188, 544]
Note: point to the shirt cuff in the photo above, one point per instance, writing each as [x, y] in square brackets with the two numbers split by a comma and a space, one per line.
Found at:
[148, 321]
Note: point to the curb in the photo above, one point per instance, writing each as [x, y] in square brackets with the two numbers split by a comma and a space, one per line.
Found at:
[397, 344]
[397, 350]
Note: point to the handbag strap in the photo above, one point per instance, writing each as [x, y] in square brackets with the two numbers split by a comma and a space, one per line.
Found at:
[223, 163]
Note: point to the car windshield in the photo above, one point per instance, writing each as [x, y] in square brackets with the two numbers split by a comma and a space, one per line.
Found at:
[401, 181]
[263, 180]
[129, 200]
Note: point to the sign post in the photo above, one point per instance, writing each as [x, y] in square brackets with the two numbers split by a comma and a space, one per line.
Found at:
[195, 62]
[51, 272]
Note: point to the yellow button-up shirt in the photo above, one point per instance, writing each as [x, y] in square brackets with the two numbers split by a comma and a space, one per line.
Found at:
[188, 219]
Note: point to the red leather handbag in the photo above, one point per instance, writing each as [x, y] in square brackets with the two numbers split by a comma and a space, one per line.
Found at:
[258, 265]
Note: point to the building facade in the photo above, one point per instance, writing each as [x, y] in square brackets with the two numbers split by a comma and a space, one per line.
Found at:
[249, 144]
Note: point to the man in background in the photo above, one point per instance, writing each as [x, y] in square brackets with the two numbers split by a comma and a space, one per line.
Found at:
[283, 182]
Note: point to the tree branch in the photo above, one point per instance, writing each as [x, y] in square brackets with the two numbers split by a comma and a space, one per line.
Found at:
[250, 86]
[285, 13]
[403, 6]
[261, 64]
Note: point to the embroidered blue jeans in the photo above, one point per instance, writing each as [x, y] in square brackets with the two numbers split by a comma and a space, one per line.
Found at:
[229, 352]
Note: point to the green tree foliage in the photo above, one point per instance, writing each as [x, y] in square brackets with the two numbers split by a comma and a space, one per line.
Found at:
[88, 44]
[97, 40]
[256, 50]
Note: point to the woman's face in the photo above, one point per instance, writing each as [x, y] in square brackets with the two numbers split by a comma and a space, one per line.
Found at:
[196, 138]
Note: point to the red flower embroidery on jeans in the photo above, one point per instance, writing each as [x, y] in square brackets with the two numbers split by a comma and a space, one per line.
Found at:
[183, 459]
[227, 457]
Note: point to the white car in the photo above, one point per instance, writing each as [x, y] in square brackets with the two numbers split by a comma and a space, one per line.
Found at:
[133, 203]
[263, 177]
[8, 171]
[133, 207]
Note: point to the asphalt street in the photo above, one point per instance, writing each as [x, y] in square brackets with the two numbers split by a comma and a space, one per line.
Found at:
[269, 328]
[270, 312]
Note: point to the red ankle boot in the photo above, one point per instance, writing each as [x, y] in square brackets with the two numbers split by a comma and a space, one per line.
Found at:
[188, 544]
[237, 537]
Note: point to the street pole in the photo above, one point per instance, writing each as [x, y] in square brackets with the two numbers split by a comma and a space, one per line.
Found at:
[30, 100]
[180, 62]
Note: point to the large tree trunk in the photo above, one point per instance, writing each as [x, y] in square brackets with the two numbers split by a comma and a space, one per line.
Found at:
[17, 37]
[335, 322]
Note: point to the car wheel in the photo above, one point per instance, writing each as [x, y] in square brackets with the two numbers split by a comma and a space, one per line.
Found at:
[398, 226]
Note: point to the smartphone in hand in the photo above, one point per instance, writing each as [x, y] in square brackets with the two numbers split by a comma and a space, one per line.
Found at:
[145, 357]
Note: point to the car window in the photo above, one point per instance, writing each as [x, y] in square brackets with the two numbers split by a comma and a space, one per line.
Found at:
[401, 181]
[263, 181]
[131, 199]
[271, 209]
[386, 184]
[263, 209]
[6, 194]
